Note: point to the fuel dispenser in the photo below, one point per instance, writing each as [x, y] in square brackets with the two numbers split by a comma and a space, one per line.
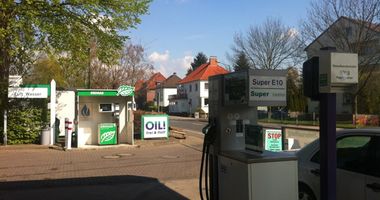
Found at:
[234, 163]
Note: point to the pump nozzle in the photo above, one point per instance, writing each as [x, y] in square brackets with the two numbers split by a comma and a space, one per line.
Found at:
[206, 129]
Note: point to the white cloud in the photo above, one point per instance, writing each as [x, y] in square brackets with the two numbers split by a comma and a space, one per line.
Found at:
[157, 57]
[166, 65]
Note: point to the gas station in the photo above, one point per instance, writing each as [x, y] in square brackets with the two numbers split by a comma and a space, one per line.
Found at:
[236, 163]
[93, 116]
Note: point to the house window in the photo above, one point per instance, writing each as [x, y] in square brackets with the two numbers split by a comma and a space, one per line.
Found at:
[190, 88]
[347, 99]
[206, 101]
[196, 87]
[206, 86]
[348, 31]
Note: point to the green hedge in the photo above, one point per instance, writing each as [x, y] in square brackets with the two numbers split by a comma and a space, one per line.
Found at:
[24, 126]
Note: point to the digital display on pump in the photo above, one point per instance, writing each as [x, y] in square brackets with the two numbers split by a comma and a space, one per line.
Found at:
[235, 88]
[254, 138]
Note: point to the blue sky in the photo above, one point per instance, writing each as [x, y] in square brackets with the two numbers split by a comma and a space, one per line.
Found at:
[176, 30]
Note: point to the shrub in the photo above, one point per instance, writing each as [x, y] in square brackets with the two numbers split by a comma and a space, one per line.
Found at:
[24, 126]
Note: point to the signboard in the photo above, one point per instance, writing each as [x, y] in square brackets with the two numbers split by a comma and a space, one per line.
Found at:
[97, 93]
[273, 139]
[107, 133]
[337, 71]
[15, 81]
[154, 126]
[126, 90]
[267, 90]
[20, 92]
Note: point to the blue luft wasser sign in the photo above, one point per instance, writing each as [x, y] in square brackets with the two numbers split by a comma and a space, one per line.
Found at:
[154, 126]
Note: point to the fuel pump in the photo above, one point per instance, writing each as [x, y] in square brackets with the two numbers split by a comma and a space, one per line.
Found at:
[234, 163]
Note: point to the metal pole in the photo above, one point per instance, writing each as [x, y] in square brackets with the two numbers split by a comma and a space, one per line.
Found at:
[158, 101]
[5, 137]
[327, 139]
[52, 110]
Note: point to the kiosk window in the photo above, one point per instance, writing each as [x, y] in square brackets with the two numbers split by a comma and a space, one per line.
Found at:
[105, 107]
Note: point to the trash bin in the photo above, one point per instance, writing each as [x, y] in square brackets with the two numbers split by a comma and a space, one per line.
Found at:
[45, 136]
[74, 138]
[196, 115]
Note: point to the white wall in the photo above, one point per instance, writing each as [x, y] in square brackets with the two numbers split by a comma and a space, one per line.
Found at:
[203, 95]
[88, 125]
[65, 108]
[194, 95]
[167, 92]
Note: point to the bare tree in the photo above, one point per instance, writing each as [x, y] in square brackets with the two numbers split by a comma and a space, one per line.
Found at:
[270, 46]
[132, 67]
[350, 26]
[134, 61]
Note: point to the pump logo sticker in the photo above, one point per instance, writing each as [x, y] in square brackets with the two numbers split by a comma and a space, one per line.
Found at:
[125, 90]
[107, 136]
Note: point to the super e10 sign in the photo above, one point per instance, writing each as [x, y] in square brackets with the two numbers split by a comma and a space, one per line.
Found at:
[154, 126]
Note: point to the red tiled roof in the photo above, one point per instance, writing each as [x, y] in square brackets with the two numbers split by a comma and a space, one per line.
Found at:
[139, 85]
[203, 72]
[152, 82]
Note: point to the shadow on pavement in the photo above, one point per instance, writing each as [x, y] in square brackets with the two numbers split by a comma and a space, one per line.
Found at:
[92, 188]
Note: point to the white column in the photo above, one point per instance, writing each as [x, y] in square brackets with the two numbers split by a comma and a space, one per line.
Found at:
[52, 110]
[5, 138]
[68, 133]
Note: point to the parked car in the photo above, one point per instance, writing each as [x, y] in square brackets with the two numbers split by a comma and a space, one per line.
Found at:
[358, 166]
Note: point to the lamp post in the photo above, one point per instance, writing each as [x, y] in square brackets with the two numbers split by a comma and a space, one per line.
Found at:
[159, 95]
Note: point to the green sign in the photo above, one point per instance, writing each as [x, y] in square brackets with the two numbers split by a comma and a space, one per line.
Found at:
[273, 139]
[100, 93]
[126, 90]
[107, 134]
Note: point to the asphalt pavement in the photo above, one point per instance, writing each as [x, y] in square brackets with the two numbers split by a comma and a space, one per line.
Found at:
[152, 169]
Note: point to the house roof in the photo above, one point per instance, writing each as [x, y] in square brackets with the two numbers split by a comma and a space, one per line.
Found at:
[154, 79]
[374, 27]
[204, 71]
[139, 85]
[171, 81]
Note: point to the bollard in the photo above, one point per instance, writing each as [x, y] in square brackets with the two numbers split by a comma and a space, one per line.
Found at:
[68, 132]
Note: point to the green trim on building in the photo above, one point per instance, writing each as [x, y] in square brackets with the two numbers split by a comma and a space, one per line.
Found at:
[97, 93]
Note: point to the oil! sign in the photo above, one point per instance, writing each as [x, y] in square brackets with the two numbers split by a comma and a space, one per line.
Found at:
[267, 90]
[154, 126]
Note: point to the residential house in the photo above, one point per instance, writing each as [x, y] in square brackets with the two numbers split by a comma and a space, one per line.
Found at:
[352, 32]
[165, 89]
[146, 92]
[193, 89]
